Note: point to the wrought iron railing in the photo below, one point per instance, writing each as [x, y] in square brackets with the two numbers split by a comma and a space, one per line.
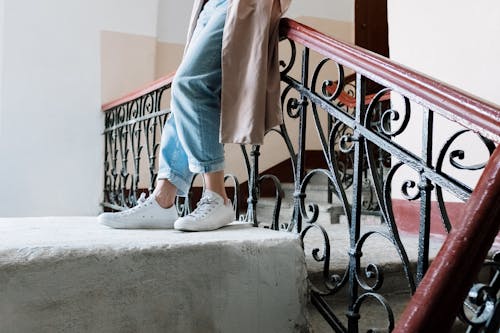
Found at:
[362, 142]
[133, 125]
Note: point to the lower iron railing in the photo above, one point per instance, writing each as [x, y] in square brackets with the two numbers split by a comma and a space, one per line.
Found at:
[366, 138]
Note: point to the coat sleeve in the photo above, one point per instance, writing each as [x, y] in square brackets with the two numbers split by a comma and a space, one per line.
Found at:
[250, 99]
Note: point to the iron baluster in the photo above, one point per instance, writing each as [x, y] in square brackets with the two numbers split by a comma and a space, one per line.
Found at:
[253, 186]
[354, 229]
[299, 194]
[425, 188]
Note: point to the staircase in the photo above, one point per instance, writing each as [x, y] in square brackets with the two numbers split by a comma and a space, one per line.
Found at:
[357, 261]
[317, 192]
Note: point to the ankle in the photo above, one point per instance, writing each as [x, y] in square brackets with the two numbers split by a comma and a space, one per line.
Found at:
[164, 204]
[165, 193]
[164, 200]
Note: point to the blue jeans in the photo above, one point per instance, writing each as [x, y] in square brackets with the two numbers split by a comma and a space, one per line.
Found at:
[190, 140]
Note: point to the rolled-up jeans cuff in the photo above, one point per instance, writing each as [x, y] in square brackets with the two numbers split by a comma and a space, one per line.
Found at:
[206, 167]
[179, 182]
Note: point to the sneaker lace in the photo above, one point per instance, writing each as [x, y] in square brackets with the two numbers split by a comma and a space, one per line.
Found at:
[204, 206]
[140, 202]
[142, 199]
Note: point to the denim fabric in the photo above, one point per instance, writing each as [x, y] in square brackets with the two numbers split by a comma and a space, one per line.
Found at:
[190, 140]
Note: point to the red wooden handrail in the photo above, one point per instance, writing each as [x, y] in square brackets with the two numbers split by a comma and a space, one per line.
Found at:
[150, 87]
[473, 113]
[438, 298]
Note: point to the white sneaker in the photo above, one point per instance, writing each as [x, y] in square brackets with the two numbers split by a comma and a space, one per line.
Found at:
[211, 213]
[148, 214]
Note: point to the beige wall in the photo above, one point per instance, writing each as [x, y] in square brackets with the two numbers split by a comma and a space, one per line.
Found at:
[168, 57]
[127, 62]
[131, 61]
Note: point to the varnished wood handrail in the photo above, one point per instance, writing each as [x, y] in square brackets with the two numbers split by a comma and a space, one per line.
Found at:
[437, 299]
[480, 116]
[150, 87]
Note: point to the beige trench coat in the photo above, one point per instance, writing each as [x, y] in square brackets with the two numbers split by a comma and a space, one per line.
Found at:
[250, 98]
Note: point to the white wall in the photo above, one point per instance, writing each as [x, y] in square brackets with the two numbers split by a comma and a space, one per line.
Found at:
[455, 42]
[50, 144]
[2, 3]
[173, 23]
[173, 20]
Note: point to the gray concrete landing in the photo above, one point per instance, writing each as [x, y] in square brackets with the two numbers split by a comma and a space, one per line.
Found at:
[74, 275]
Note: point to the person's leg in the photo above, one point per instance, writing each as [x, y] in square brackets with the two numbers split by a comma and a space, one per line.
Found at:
[214, 181]
[196, 97]
[190, 138]
[174, 177]
[196, 106]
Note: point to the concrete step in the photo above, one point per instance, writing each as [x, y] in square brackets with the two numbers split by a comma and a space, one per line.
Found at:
[328, 213]
[317, 193]
[70, 274]
[317, 190]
